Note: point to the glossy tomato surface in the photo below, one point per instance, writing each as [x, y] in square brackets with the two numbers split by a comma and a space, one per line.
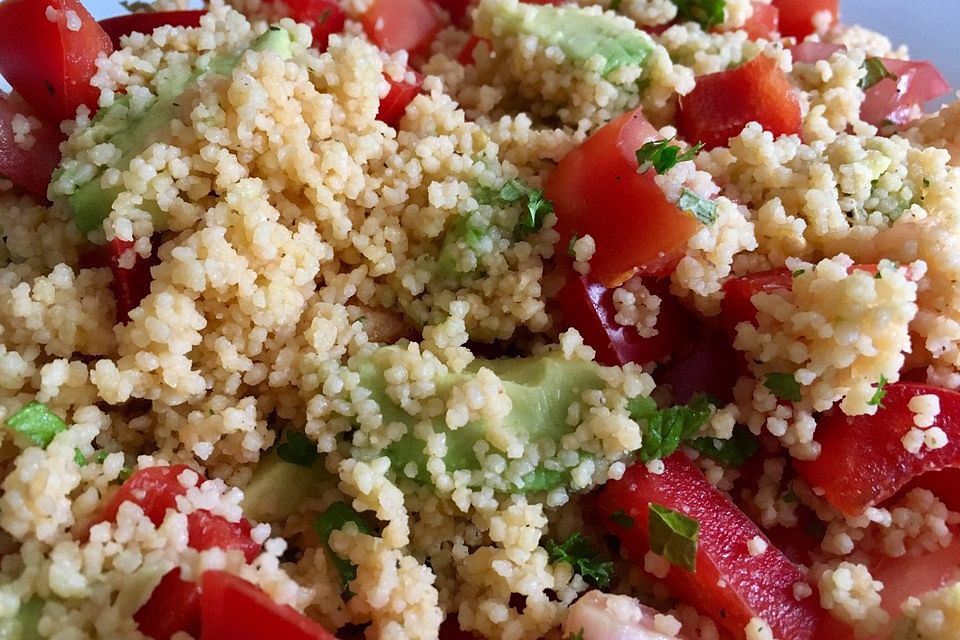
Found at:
[797, 17]
[28, 168]
[120, 26]
[402, 24]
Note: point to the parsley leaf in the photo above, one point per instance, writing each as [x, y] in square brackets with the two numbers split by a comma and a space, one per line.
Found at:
[36, 423]
[876, 71]
[334, 518]
[663, 156]
[574, 237]
[621, 519]
[666, 429]
[783, 385]
[708, 13]
[879, 394]
[536, 206]
[298, 449]
[79, 458]
[137, 7]
[733, 452]
[703, 209]
[674, 536]
[579, 554]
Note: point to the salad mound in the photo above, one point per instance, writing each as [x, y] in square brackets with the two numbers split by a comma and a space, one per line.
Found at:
[450, 319]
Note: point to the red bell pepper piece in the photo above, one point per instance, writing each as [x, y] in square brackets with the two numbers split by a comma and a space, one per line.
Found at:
[588, 307]
[596, 191]
[796, 16]
[862, 459]
[394, 104]
[233, 609]
[723, 103]
[120, 26]
[753, 586]
[50, 62]
[29, 169]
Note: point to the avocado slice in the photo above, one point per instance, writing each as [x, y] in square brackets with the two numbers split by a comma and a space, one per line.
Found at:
[277, 488]
[131, 134]
[541, 389]
[580, 33]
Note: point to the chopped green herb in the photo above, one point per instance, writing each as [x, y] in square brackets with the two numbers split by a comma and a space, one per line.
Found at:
[879, 394]
[815, 528]
[703, 209]
[615, 5]
[577, 636]
[622, 519]
[298, 449]
[926, 183]
[666, 429]
[580, 555]
[573, 240]
[663, 156]
[799, 272]
[536, 206]
[733, 452]
[674, 536]
[790, 497]
[707, 13]
[36, 423]
[137, 7]
[783, 385]
[79, 458]
[334, 518]
[876, 71]
[125, 473]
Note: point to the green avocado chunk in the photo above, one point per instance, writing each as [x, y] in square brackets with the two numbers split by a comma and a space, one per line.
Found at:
[130, 134]
[23, 624]
[580, 33]
[541, 389]
[277, 488]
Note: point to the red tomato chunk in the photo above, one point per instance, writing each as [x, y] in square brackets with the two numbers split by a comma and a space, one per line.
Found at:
[402, 24]
[723, 103]
[394, 105]
[28, 168]
[121, 26]
[325, 17]
[797, 16]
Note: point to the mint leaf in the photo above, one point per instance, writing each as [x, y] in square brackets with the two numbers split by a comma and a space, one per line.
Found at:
[879, 394]
[783, 385]
[707, 13]
[876, 71]
[674, 536]
[36, 423]
[666, 429]
[733, 452]
[334, 518]
[536, 206]
[663, 156]
[621, 519]
[298, 449]
[703, 209]
[580, 554]
[79, 458]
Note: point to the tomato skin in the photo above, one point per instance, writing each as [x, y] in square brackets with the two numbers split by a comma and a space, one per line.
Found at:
[736, 306]
[174, 606]
[756, 586]
[30, 169]
[325, 17]
[862, 460]
[120, 26]
[49, 65]
[763, 23]
[154, 489]
[394, 104]
[723, 103]
[796, 16]
[129, 285]
[209, 531]
[233, 609]
[597, 191]
[402, 24]
[944, 483]
[588, 307]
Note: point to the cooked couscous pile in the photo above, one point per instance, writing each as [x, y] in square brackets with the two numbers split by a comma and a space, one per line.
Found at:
[413, 320]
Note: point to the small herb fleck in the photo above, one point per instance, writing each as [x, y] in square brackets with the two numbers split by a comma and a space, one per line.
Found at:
[621, 519]
[570, 245]
[875, 72]
[298, 449]
[674, 536]
[707, 13]
[783, 385]
[879, 394]
[662, 156]
[703, 209]
[580, 554]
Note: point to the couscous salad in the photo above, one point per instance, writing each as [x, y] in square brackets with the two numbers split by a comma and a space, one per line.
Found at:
[476, 319]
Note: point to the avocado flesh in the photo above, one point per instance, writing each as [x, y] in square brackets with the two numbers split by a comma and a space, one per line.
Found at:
[277, 488]
[580, 34]
[90, 203]
[541, 389]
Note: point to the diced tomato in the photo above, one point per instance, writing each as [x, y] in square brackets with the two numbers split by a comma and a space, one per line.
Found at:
[754, 586]
[130, 285]
[466, 56]
[154, 489]
[394, 104]
[173, 606]
[233, 609]
[588, 307]
[457, 10]
[402, 24]
[705, 366]
[736, 306]
[862, 459]
[895, 101]
[810, 51]
[597, 191]
[120, 26]
[911, 575]
[46, 61]
[764, 22]
[209, 531]
[29, 169]
[325, 17]
[796, 16]
[944, 483]
[723, 103]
